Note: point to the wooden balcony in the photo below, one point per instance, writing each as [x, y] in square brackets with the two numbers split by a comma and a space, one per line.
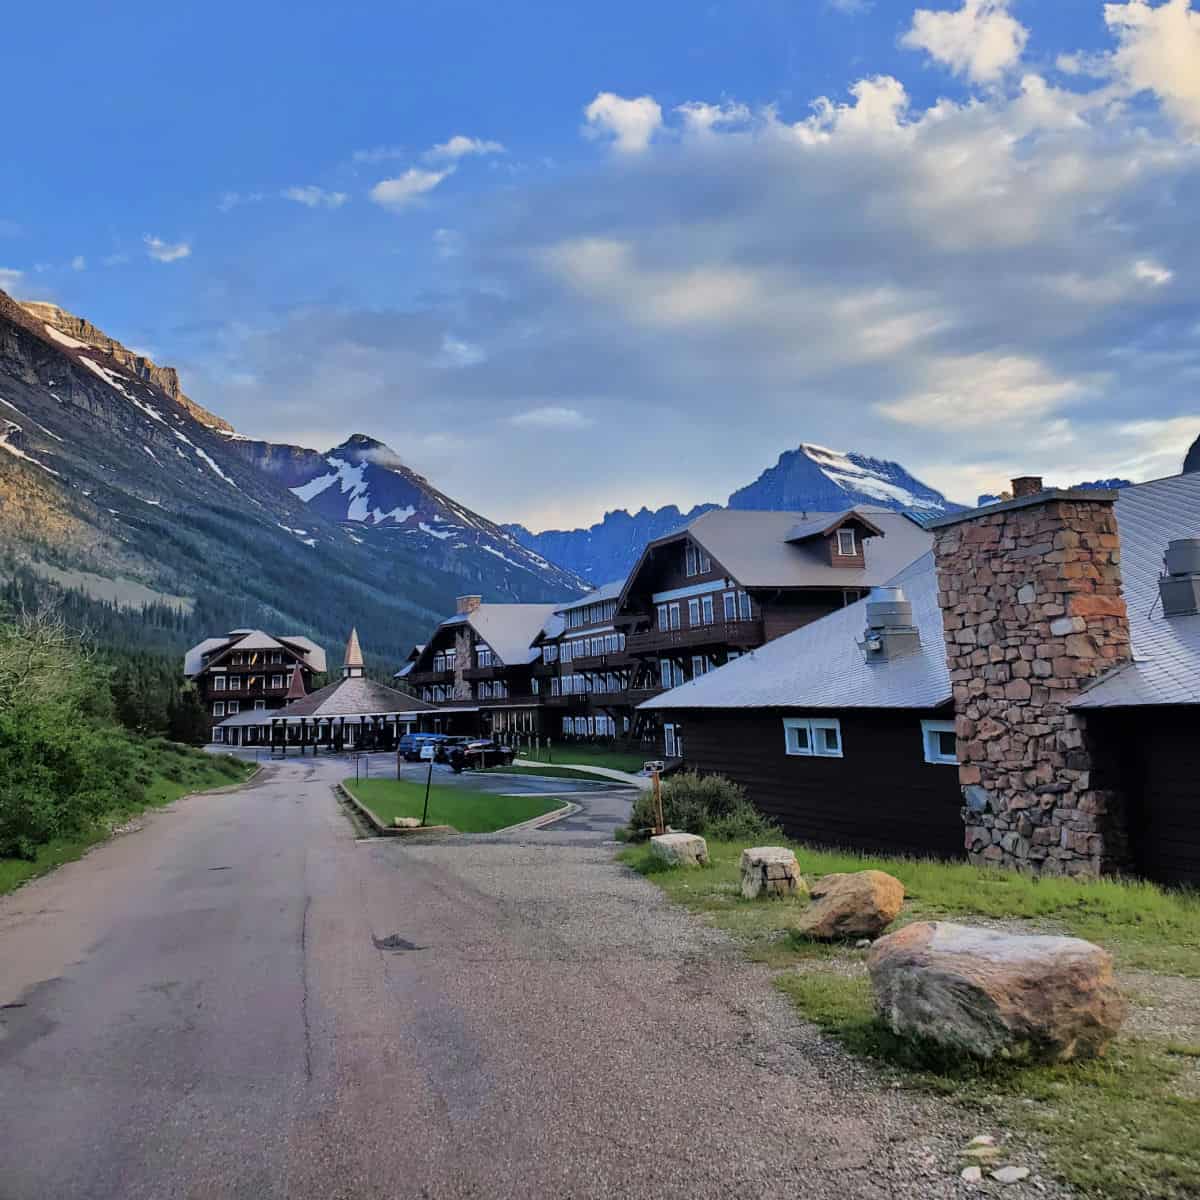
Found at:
[614, 661]
[508, 701]
[543, 670]
[476, 673]
[740, 634]
[419, 678]
[640, 695]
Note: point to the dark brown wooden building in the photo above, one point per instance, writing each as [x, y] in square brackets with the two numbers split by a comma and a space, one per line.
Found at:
[249, 671]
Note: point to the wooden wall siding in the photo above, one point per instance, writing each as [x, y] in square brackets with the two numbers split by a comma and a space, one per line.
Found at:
[1160, 773]
[881, 797]
[784, 612]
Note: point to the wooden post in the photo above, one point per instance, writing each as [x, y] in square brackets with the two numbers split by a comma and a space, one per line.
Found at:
[660, 825]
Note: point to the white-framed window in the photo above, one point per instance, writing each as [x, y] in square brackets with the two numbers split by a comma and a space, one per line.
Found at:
[664, 671]
[218, 734]
[703, 562]
[690, 560]
[219, 708]
[234, 706]
[673, 616]
[847, 543]
[277, 681]
[670, 741]
[744, 609]
[694, 612]
[813, 736]
[218, 682]
[940, 742]
[663, 618]
[483, 656]
[235, 683]
[730, 599]
[260, 706]
[706, 609]
[699, 665]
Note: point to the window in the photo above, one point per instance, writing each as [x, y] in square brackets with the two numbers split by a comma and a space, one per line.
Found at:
[699, 665]
[847, 543]
[483, 656]
[218, 734]
[663, 618]
[820, 736]
[704, 562]
[235, 683]
[730, 599]
[673, 615]
[744, 606]
[234, 706]
[941, 744]
[276, 658]
[260, 706]
[218, 682]
[219, 708]
[706, 610]
[690, 560]
[670, 741]
[277, 681]
[694, 611]
[664, 667]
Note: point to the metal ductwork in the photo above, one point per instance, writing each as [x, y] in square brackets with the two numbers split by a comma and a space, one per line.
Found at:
[890, 631]
[1179, 588]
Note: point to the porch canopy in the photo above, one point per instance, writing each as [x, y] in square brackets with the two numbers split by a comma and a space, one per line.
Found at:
[353, 713]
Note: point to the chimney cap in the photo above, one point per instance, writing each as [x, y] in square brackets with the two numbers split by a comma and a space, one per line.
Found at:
[467, 604]
[1027, 485]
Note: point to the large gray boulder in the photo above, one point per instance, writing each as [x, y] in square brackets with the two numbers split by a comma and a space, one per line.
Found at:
[997, 995]
[856, 905]
[680, 849]
[771, 871]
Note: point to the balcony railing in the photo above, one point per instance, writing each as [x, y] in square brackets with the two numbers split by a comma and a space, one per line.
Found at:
[640, 695]
[417, 678]
[507, 701]
[719, 633]
[492, 672]
[613, 661]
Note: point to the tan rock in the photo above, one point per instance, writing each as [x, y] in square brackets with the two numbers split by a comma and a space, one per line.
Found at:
[680, 849]
[771, 871]
[406, 823]
[861, 904]
[997, 995]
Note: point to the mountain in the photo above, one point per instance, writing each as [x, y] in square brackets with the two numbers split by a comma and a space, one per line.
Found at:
[1192, 462]
[608, 549]
[1090, 485]
[809, 478]
[120, 490]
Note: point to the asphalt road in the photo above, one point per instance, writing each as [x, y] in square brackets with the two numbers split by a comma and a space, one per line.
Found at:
[243, 999]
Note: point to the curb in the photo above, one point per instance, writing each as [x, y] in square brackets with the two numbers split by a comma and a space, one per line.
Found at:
[224, 791]
[383, 830]
[569, 809]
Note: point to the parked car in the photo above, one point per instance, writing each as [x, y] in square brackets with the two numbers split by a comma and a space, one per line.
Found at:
[409, 745]
[448, 744]
[479, 755]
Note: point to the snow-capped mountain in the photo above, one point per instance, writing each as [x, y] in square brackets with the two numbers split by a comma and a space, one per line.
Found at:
[364, 486]
[810, 478]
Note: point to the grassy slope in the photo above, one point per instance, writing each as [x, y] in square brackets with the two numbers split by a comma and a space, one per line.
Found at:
[467, 811]
[588, 756]
[1125, 1126]
[168, 771]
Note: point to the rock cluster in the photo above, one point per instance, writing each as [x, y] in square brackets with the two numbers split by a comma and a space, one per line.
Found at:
[1032, 611]
[680, 849]
[862, 904]
[997, 995]
[771, 871]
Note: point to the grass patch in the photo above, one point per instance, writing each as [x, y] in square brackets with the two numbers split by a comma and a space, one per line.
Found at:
[551, 772]
[165, 771]
[465, 810]
[586, 755]
[1123, 1127]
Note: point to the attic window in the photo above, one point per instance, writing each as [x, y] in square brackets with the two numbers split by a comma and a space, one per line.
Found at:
[941, 743]
[809, 736]
[847, 543]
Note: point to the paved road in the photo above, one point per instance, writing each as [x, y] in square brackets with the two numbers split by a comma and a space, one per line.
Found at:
[242, 999]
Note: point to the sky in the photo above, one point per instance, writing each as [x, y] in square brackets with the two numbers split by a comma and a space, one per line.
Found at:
[565, 258]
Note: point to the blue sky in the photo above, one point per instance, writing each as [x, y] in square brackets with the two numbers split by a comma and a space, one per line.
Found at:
[572, 257]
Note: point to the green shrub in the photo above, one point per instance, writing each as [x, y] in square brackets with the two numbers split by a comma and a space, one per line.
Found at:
[706, 804]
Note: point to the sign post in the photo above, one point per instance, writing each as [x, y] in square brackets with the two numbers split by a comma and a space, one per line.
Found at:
[427, 752]
[660, 825]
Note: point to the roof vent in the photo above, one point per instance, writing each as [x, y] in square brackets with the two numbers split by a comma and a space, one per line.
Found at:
[890, 631]
[1180, 586]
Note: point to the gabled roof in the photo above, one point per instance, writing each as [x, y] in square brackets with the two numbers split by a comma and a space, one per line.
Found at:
[823, 524]
[606, 591]
[203, 653]
[510, 629]
[357, 696]
[820, 666]
[759, 550]
[1166, 650]
[193, 660]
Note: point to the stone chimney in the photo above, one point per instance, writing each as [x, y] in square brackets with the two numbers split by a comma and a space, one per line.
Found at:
[468, 604]
[1026, 485]
[1030, 592]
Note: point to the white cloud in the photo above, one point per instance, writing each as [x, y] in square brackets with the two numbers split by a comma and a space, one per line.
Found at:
[10, 278]
[399, 193]
[79, 263]
[456, 352]
[699, 117]
[459, 146]
[631, 123]
[314, 197]
[551, 416]
[1158, 51]
[165, 252]
[981, 40]
[1151, 272]
[849, 6]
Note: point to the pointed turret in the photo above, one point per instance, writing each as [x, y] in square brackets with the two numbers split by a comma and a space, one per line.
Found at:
[352, 666]
[295, 687]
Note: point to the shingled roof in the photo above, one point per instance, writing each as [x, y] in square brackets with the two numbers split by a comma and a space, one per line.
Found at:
[353, 697]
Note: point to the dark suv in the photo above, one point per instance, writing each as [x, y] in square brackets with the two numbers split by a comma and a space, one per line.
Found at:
[479, 755]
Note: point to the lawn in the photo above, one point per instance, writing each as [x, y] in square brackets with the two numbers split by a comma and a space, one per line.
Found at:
[465, 810]
[589, 754]
[548, 771]
[166, 771]
[1122, 1127]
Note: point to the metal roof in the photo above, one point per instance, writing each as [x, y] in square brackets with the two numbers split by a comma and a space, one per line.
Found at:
[510, 629]
[252, 639]
[820, 666]
[819, 524]
[249, 716]
[1166, 650]
[354, 697]
[606, 591]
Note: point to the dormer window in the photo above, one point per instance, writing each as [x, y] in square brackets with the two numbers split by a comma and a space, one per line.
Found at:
[847, 543]
[696, 561]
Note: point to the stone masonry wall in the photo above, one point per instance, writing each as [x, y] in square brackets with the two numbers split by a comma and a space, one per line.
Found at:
[464, 645]
[1032, 611]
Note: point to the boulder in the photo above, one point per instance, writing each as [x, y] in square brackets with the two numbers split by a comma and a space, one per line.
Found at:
[406, 823]
[680, 849]
[771, 871]
[857, 905]
[997, 995]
